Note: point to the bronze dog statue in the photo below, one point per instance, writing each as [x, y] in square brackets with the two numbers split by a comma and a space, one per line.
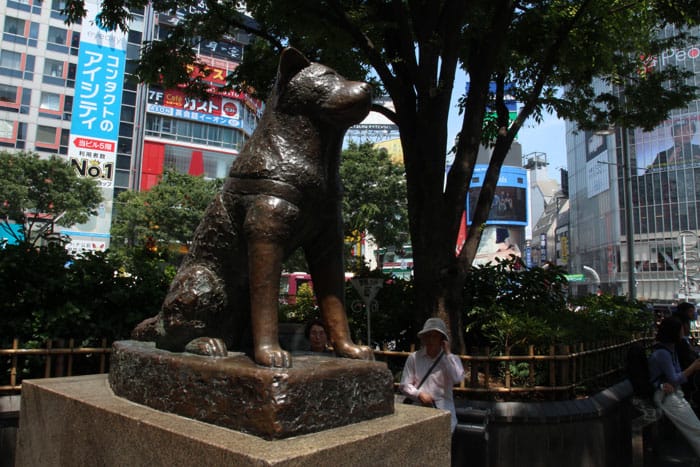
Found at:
[282, 192]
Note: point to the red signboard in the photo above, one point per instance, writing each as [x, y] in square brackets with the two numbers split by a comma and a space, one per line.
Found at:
[218, 105]
[94, 144]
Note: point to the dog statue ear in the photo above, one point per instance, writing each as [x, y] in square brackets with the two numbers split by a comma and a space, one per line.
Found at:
[291, 62]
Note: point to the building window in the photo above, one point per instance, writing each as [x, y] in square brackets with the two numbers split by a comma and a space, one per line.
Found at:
[22, 5]
[128, 114]
[67, 107]
[14, 26]
[65, 138]
[6, 129]
[46, 135]
[53, 68]
[182, 130]
[50, 101]
[11, 60]
[8, 93]
[134, 36]
[121, 178]
[216, 164]
[75, 40]
[57, 35]
[58, 5]
[29, 67]
[34, 31]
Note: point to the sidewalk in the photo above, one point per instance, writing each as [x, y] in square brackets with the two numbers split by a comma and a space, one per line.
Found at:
[672, 450]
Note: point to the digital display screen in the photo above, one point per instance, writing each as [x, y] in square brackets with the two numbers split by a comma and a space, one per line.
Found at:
[509, 206]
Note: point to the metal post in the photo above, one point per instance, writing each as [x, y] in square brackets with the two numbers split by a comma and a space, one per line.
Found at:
[367, 287]
[627, 179]
[684, 269]
[369, 332]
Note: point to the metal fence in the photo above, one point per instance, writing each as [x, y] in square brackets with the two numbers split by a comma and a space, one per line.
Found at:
[57, 358]
[558, 372]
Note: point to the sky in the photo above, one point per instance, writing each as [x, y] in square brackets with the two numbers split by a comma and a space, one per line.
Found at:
[548, 136]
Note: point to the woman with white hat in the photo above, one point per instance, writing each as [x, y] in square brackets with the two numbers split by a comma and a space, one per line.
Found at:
[430, 373]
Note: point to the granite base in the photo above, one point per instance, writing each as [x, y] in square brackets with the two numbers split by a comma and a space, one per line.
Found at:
[79, 421]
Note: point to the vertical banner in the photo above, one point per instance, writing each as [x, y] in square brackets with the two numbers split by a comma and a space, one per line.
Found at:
[92, 149]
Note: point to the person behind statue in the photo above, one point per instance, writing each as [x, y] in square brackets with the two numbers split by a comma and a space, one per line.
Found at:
[443, 370]
[315, 332]
[666, 375]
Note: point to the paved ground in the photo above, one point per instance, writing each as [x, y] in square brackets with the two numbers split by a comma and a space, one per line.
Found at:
[672, 450]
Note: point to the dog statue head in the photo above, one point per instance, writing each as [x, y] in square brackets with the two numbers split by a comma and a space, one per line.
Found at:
[312, 89]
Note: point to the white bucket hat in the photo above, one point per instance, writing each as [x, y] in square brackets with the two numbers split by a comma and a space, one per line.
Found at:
[434, 324]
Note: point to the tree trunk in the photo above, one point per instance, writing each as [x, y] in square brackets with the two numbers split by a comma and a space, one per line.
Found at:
[431, 223]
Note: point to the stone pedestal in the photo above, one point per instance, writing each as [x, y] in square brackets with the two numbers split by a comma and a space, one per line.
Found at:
[79, 421]
[317, 393]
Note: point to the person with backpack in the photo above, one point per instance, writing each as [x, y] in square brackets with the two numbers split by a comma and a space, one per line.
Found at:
[667, 377]
[687, 353]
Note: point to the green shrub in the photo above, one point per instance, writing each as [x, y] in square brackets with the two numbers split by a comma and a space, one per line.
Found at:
[509, 307]
[47, 294]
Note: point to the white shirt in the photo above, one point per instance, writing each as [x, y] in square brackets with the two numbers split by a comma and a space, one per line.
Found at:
[448, 372]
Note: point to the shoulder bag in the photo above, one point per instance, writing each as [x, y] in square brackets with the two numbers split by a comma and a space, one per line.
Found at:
[410, 401]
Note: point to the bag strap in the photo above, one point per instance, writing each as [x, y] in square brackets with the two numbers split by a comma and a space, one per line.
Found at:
[430, 370]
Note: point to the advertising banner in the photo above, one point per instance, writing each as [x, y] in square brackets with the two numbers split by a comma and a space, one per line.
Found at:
[95, 122]
[218, 77]
[496, 244]
[597, 164]
[674, 144]
[217, 110]
[665, 162]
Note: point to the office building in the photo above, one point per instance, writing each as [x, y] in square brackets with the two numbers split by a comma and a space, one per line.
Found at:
[67, 90]
[664, 186]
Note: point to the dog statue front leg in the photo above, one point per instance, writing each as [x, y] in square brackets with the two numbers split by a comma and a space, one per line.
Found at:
[267, 226]
[265, 259]
[326, 265]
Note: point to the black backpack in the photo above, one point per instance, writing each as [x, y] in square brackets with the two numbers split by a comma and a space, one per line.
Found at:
[638, 370]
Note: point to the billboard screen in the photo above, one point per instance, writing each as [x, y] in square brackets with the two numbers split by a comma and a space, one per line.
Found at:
[509, 205]
[673, 145]
[666, 175]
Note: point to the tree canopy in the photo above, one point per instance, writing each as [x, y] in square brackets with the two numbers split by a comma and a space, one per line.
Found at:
[374, 201]
[36, 192]
[374, 198]
[166, 214]
[413, 51]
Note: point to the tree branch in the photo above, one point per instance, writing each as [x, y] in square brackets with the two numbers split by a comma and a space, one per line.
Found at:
[385, 112]
[366, 46]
